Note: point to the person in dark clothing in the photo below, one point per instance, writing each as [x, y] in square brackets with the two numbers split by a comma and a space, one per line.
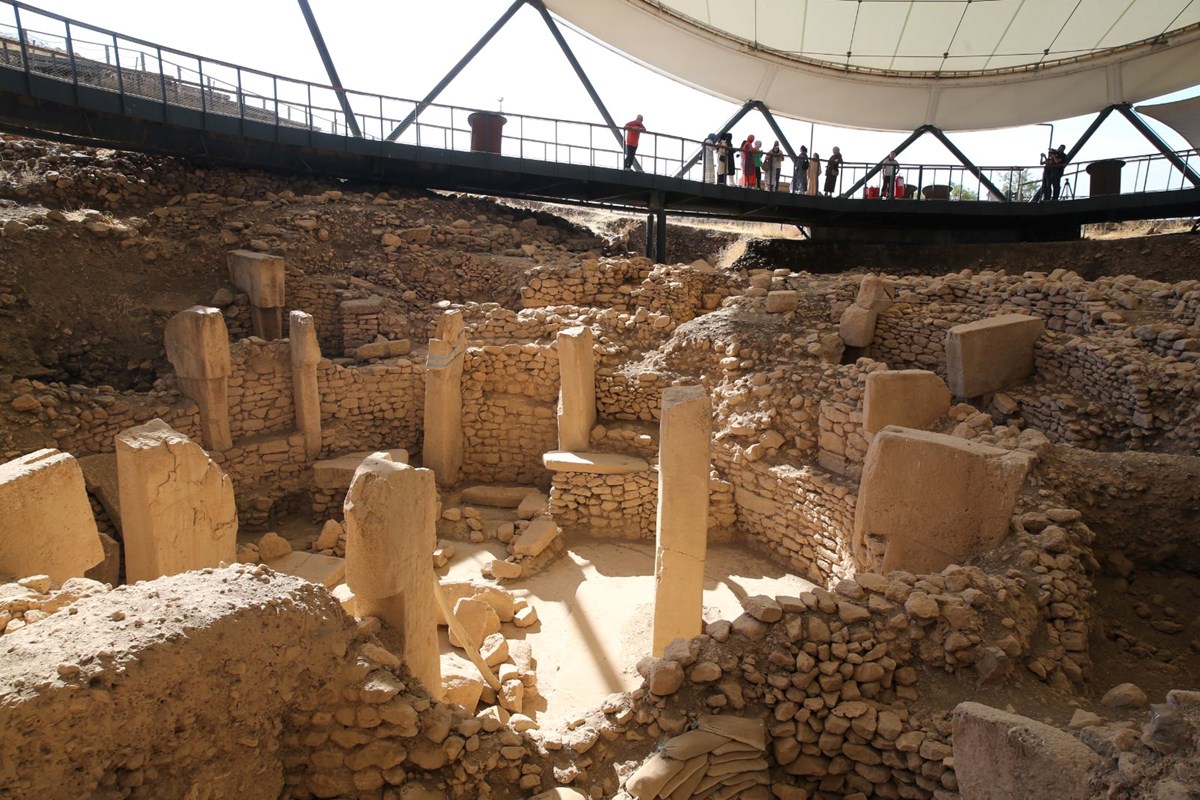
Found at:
[832, 167]
[1054, 166]
[729, 153]
[800, 178]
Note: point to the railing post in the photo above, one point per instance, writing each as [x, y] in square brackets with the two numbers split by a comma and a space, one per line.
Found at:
[241, 102]
[203, 93]
[275, 92]
[24, 50]
[74, 66]
[162, 82]
[120, 77]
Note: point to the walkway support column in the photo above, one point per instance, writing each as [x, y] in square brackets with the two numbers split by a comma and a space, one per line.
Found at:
[305, 355]
[391, 515]
[442, 447]
[681, 540]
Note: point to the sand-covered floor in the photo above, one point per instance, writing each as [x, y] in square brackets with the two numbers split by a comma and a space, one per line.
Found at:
[595, 608]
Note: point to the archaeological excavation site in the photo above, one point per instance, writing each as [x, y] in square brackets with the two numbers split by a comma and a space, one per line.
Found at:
[322, 489]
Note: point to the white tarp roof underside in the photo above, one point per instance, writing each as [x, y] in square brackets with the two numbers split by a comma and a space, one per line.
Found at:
[898, 64]
[1182, 116]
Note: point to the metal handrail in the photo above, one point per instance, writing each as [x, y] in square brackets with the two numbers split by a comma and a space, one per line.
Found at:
[135, 68]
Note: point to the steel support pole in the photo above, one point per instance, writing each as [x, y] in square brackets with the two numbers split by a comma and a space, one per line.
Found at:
[330, 69]
[453, 73]
[650, 235]
[583, 78]
[766, 112]
[660, 240]
[728, 126]
[873, 171]
[966, 162]
[1136, 121]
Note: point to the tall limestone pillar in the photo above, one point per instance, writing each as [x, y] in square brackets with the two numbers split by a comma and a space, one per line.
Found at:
[391, 515]
[577, 388]
[685, 432]
[177, 507]
[260, 276]
[305, 355]
[198, 348]
[442, 448]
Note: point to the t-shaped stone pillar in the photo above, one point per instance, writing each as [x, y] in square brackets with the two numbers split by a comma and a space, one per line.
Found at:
[198, 347]
[684, 438]
[442, 447]
[306, 354]
[577, 388]
[391, 515]
[177, 508]
[261, 277]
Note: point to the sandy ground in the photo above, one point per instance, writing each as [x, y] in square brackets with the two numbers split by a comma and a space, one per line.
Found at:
[595, 610]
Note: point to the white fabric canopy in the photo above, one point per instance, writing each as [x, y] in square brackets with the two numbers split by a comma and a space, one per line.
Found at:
[1182, 116]
[899, 64]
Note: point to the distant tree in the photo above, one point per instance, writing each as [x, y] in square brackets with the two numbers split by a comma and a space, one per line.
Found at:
[958, 192]
[1020, 185]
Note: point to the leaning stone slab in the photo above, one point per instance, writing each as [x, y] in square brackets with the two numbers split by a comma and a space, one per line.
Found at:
[1000, 756]
[593, 463]
[536, 537]
[177, 507]
[496, 496]
[936, 499]
[259, 275]
[338, 472]
[991, 354]
[100, 477]
[910, 398]
[48, 526]
[857, 326]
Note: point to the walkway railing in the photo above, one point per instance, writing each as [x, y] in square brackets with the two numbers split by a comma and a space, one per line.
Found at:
[52, 46]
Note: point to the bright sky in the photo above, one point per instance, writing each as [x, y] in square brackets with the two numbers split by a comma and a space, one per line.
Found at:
[403, 48]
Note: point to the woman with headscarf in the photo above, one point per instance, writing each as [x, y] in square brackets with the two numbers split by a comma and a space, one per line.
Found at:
[747, 153]
[814, 172]
[728, 154]
[832, 167]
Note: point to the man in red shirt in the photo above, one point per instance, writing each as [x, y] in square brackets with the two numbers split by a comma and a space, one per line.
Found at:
[633, 132]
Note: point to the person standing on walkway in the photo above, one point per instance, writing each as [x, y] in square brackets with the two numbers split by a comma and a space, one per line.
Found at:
[710, 158]
[800, 178]
[747, 153]
[774, 161]
[722, 152]
[758, 164]
[889, 167]
[1052, 173]
[814, 172]
[633, 133]
[832, 167]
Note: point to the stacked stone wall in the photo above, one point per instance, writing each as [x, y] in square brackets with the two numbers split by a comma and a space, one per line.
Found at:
[510, 393]
[260, 388]
[374, 407]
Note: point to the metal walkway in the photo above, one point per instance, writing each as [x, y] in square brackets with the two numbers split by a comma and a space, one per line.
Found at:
[98, 87]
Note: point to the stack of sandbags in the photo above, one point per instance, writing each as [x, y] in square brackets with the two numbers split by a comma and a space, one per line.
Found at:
[723, 757]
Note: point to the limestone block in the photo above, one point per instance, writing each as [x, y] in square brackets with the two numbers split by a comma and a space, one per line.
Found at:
[536, 537]
[338, 473]
[197, 343]
[937, 499]
[442, 446]
[909, 398]
[593, 463]
[387, 349]
[999, 756]
[874, 293]
[461, 682]
[577, 388]
[681, 539]
[496, 496]
[109, 570]
[477, 618]
[991, 354]
[259, 275]
[48, 526]
[326, 571]
[391, 513]
[305, 354]
[857, 326]
[782, 300]
[177, 505]
[533, 505]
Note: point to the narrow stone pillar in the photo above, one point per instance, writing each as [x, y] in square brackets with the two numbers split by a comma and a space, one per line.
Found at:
[577, 388]
[177, 508]
[442, 447]
[391, 515]
[198, 348]
[306, 354]
[261, 276]
[681, 541]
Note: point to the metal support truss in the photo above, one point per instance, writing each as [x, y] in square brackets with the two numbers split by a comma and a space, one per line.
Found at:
[941, 137]
[334, 80]
[1083, 139]
[1135, 119]
[617, 130]
[747, 107]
